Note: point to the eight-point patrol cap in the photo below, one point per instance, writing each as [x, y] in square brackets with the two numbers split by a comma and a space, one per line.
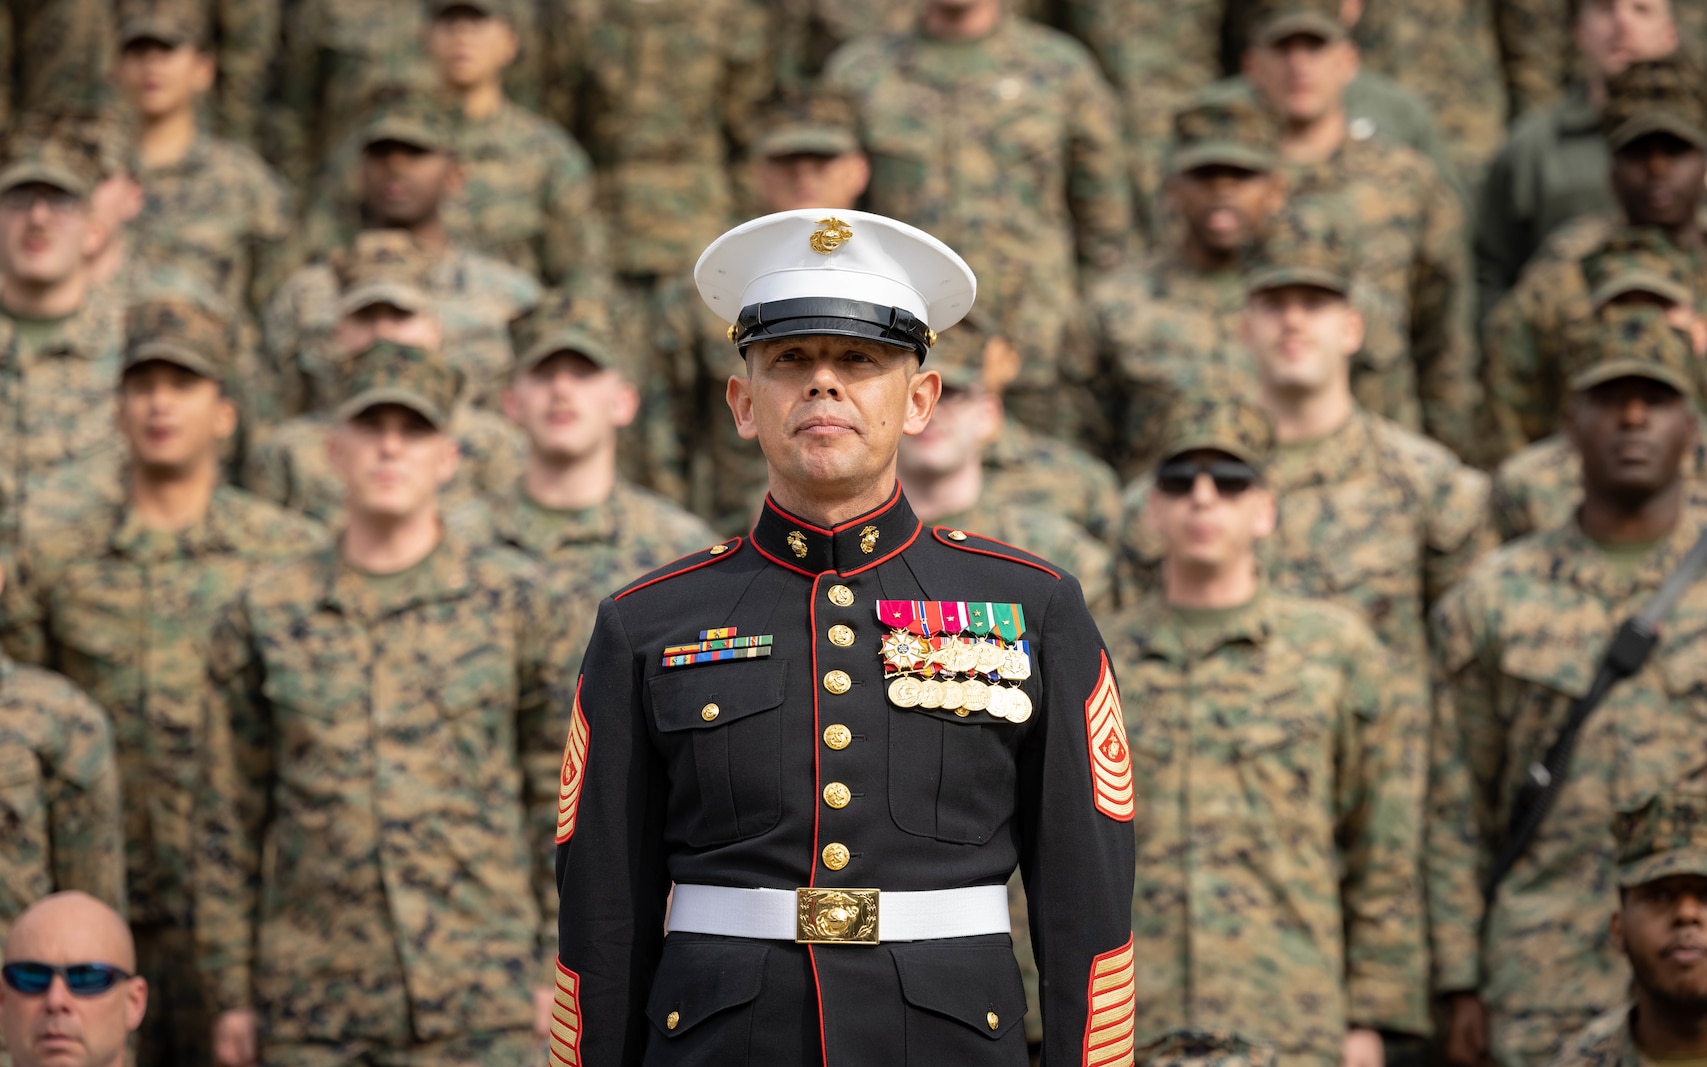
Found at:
[45, 152]
[1216, 413]
[1205, 1048]
[1276, 20]
[412, 116]
[966, 359]
[560, 323]
[1231, 133]
[823, 124]
[1665, 836]
[1655, 96]
[171, 22]
[383, 267]
[841, 274]
[1310, 243]
[1630, 342]
[1637, 260]
[179, 332]
[498, 9]
[410, 377]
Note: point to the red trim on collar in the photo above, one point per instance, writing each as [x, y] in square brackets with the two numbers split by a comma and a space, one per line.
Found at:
[937, 532]
[832, 531]
[784, 564]
[734, 547]
[862, 568]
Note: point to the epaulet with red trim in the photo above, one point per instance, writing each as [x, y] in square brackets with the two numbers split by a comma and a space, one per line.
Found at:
[967, 541]
[693, 561]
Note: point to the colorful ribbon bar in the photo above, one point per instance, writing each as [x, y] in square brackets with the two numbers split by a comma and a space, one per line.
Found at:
[691, 658]
[717, 646]
[929, 618]
[718, 634]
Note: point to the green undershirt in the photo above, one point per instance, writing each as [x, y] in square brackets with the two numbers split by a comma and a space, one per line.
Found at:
[33, 334]
[1624, 557]
[385, 586]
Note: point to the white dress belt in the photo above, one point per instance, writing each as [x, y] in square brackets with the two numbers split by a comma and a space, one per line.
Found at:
[775, 914]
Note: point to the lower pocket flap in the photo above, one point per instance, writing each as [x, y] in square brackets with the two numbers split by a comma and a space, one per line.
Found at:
[976, 985]
[698, 979]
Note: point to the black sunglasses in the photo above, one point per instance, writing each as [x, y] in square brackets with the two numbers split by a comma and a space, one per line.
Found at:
[83, 979]
[1230, 478]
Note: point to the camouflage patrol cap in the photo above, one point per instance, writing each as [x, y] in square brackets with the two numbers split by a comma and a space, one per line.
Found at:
[1275, 20]
[1218, 413]
[383, 267]
[1310, 243]
[562, 324]
[411, 377]
[179, 332]
[498, 9]
[1232, 133]
[1204, 1048]
[1638, 259]
[1630, 342]
[961, 355]
[1665, 836]
[409, 115]
[1655, 96]
[822, 124]
[171, 22]
[47, 152]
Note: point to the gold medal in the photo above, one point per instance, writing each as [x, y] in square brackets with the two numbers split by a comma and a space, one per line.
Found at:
[997, 704]
[989, 655]
[904, 692]
[1016, 666]
[1019, 706]
[953, 696]
[975, 695]
[960, 657]
[930, 694]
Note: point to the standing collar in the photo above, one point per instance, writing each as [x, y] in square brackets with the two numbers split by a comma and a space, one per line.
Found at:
[856, 545]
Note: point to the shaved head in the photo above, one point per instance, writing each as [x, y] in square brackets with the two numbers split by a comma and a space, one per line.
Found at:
[57, 1028]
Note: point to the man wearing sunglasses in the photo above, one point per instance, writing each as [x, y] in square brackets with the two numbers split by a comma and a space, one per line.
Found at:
[68, 993]
[1270, 743]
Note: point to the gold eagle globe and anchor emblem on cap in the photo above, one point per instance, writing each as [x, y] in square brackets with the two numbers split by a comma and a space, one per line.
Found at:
[831, 234]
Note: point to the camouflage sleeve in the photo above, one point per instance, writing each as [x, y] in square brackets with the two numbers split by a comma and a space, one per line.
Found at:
[1442, 342]
[231, 811]
[1463, 732]
[545, 695]
[1508, 512]
[1172, 48]
[1510, 361]
[266, 473]
[749, 74]
[247, 32]
[82, 793]
[1138, 567]
[1459, 531]
[1535, 44]
[273, 252]
[24, 615]
[1099, 189]
[576, 243]
[1378, 805]
[293, 117]
[1498, 244]
[679, 363]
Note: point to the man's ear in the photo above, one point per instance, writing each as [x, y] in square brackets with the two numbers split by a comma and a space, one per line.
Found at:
[225, 419]
[625, 405]
[923, 393]
[135, 1003]
[1267, 516]
[739, 396]
[450, 458]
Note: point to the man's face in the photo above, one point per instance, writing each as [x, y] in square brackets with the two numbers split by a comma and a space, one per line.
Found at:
[569, 406]
[1662, 927]
[469, 47]
[57, 1028]
[1303, 77]
[1633, 435]
[45, 234]
[1612, 34]
[392, 462]
[786, 183]
[365, 327]
[829, 412]
[403, 185]
[173, 418]
[964, 422]
[1225, 207]
[1205, 522]
[1657, 179]
[162, 79]
[1302, 337]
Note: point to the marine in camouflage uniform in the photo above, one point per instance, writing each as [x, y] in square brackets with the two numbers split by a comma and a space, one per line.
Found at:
[1655, 121]
[244, 35]
[1535, 42]
[1278, 894]
[123, 608]
[1009, 149]
[1161, 321]
[390, 744]
[1514, 644]
[52, 51]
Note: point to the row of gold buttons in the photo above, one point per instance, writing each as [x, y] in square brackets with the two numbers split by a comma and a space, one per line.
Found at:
[836, 794]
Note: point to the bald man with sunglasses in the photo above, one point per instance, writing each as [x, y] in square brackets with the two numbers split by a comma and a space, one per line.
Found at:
[70, 995]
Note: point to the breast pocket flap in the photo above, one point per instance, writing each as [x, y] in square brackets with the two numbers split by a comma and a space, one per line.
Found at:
[700, 698]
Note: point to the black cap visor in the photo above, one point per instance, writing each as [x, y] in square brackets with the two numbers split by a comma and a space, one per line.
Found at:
[832, 317]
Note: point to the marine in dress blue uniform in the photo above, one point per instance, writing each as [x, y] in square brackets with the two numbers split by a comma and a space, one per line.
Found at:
[837, 741]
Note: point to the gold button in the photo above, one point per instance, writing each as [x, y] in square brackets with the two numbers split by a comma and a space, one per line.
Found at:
[956, 535]
[835, 855]
[838, 682]
[674, 1019]
[994, 1022]
[838, 736]
[837, 795]
[841, 636]
[841, 596]
[718, 550]
[709, 712]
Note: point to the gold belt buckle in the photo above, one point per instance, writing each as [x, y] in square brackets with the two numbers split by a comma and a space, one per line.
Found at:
[836, 917]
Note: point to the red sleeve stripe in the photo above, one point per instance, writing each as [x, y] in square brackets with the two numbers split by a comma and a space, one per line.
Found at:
[1111, 1005]
[574, 771]
[566, 1018]
[1111, 759]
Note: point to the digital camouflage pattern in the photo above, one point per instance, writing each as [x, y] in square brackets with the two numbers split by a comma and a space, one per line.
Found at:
[124, 612]
[1232, 132]
[1047, 534]
[1655, 95]
[1214, 417]
[515, 1047]
[390, 373]
[805, 33]
[52, 51]
[1278, 892]
[1608, 1041]
[1315, 242]
[1535, 40]
[1205, 1048]
[1008, 149]
[177, 332]
[1513, 645]
[664, 96]
[393, 750]
[1632, 341]
[1637, 259]
[1026, 470]
[289, 465]
[1667, 835]
[245, 39]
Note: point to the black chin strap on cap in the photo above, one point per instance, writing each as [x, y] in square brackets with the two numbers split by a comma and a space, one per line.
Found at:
[834, 317]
